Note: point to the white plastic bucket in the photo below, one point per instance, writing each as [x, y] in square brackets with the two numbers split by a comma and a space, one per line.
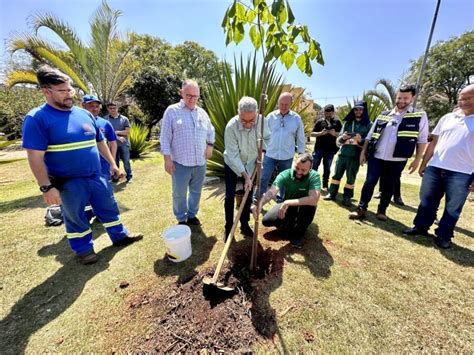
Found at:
[178, 243]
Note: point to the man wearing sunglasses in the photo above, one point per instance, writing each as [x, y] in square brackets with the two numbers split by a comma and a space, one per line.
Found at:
[286, 137]
[326, 131]
[63, 143]
[187, 141]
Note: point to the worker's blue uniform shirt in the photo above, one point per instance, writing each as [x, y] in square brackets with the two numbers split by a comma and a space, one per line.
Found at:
[108, 132]
[68, 137]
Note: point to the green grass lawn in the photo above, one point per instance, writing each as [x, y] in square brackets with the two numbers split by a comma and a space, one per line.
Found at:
[356, 286]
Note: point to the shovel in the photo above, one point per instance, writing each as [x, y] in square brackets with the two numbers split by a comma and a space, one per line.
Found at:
[212, 282]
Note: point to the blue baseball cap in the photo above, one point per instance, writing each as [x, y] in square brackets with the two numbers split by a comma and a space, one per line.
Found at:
[359, 104]
[90, 98]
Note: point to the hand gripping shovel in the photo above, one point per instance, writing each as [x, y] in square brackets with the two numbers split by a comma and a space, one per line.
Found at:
[212, 282]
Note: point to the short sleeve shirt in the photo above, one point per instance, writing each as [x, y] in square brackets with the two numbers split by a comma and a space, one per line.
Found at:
[108, 131]
[327, 142]
[454, 150]
[119, 124]
[294, 188]
[68, 139]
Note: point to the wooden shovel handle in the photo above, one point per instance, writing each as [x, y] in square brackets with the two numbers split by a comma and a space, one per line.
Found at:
[231, 235]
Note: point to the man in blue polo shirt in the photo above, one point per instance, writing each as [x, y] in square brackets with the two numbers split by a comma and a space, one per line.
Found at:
[63, 144]
[92, 104]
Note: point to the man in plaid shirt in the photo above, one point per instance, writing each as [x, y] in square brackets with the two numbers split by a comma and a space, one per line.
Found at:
[187, 140]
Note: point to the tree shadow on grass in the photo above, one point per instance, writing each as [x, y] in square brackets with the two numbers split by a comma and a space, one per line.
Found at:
[457, 254]
[316, 258]
[215, 190]
[50, 299]
[23, 203]
[201, 245]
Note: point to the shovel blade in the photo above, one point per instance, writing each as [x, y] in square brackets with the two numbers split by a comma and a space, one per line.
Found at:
[218, 285]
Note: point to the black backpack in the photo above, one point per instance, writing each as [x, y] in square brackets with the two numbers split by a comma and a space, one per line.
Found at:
[54, 216]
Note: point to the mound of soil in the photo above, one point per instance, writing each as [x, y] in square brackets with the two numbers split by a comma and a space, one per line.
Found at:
[194, 317]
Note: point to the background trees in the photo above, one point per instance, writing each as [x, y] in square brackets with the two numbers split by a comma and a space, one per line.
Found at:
[103, 66]
[449, 68]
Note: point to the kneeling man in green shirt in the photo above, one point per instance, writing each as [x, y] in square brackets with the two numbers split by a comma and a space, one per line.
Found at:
[299, 188]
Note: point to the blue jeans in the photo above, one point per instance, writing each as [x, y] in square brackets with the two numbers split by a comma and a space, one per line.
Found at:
[388, 172]
[123, 153]
[326, 156]
[436, 183]
[182, 178]
[269, 166]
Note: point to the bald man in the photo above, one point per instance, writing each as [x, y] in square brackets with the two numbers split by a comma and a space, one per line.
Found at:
[447, 169]
[286, 137]
[187, 141]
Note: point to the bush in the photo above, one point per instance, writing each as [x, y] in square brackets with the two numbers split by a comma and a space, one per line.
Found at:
[139, 146]
[15, 103]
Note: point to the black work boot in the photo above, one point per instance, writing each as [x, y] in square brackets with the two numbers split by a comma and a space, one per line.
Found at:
[332, 192]
[347, 196]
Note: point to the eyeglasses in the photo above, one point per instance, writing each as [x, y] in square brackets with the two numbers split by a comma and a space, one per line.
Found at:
[282, 121]
[190, 97]
[71, 91]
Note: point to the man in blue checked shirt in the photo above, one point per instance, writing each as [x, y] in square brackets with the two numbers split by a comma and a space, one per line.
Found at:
[187, 141]
[286, 137]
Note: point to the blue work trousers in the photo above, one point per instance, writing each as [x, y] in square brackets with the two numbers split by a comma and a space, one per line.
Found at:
[76, 193]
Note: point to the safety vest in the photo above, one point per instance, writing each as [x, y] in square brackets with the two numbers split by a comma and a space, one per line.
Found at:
[407, 134]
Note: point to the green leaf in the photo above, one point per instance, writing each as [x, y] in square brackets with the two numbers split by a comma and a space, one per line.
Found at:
[291, 16]
[240, 12]
[272, 28]
[251, 14]
[309, 69]
[282, 15]
[228, 37]
[239, 33]
[264, 15]
[305, 35]
[312, 50]
[255, 37]
[295, 31]
[287, 59]
[232, 9]
[301, 62]
[277, 50]
[225, 20]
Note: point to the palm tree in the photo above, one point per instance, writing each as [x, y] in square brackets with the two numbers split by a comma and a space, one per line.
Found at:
[104, 66]
[387, 96]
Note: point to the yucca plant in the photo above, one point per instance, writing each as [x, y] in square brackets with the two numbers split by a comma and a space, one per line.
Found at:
[139, 146]
[222, 100]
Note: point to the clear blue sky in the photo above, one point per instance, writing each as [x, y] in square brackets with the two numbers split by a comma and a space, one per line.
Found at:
[362, 40]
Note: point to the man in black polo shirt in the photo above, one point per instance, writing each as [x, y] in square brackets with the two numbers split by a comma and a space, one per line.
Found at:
[326, 131]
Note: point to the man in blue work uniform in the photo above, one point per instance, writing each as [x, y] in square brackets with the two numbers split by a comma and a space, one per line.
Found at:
[92, 104]
[63, 144]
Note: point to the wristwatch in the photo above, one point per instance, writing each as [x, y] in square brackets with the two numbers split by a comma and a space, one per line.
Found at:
[46, 188]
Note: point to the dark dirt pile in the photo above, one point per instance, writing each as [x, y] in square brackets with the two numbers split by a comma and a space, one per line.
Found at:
[194, 317]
